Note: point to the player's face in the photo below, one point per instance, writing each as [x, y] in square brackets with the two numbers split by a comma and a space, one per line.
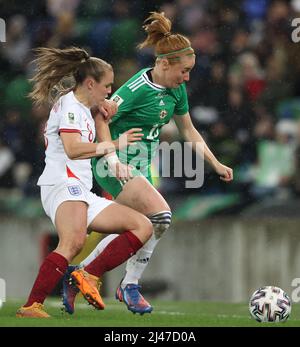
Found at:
[102, 89]
[180, 72]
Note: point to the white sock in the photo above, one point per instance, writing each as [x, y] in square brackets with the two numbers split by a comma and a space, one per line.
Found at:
[137, 264]
[99, 249]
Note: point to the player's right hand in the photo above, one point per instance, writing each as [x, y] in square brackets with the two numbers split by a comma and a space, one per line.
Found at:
[123, 172]
[130, 137]
[119, 170]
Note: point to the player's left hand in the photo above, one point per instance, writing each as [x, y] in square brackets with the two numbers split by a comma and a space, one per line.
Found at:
[107, 109]
[225, 172]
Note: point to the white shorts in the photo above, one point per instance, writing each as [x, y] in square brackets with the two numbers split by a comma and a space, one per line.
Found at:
[71, 190]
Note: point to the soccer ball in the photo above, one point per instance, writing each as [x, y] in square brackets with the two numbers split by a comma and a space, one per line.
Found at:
[270, 304]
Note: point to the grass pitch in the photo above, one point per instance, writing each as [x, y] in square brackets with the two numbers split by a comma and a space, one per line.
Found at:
[165, 314]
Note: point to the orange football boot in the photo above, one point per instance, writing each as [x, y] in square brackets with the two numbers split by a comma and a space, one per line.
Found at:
[88, 285]
[36, 310]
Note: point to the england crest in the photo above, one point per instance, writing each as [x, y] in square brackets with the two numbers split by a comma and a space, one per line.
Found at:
[75, 190]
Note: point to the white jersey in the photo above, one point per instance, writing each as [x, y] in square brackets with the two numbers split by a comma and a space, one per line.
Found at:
[71, 116]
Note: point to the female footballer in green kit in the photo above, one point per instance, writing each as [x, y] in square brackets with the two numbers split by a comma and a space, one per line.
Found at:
[148, 101]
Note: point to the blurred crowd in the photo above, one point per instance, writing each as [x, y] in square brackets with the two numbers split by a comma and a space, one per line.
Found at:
[244, 92]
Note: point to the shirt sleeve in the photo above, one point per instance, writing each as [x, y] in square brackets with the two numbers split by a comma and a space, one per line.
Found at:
[124, 99]
[70, 121]
[182, 106]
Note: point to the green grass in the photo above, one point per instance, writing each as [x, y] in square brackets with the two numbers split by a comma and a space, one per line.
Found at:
[165, 314]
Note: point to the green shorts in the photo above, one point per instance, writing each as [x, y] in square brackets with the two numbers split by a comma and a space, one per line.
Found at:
[110, 183]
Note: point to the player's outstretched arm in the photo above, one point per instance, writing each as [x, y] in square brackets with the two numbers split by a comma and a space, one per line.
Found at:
[130, 137]
[76, 149]
[192, 135]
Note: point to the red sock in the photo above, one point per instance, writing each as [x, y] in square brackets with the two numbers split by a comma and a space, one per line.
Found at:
[51, 271]
[116, 252]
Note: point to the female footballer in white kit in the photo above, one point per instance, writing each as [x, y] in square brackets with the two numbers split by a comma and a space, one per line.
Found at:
[67, 178]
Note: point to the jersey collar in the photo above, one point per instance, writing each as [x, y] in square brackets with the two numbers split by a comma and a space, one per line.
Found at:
[150, 83]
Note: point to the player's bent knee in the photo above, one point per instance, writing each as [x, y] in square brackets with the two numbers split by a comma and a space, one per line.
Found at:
[161, 222]
[77, 245]
[148, 228]
[144, 228]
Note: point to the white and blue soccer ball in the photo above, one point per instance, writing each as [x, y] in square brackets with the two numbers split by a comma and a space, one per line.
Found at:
[270, 304]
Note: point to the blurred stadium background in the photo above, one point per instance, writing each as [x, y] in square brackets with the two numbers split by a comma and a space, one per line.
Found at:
[244, 95]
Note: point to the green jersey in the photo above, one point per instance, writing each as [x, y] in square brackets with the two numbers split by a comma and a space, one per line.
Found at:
[143, 104]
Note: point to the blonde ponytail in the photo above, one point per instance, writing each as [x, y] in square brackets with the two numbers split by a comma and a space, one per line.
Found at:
[60, 70]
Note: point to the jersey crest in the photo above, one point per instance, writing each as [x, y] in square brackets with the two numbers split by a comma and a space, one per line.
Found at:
[163, 114]
[75, 190]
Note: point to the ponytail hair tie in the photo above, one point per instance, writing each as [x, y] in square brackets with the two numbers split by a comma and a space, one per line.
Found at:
[85, 59]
